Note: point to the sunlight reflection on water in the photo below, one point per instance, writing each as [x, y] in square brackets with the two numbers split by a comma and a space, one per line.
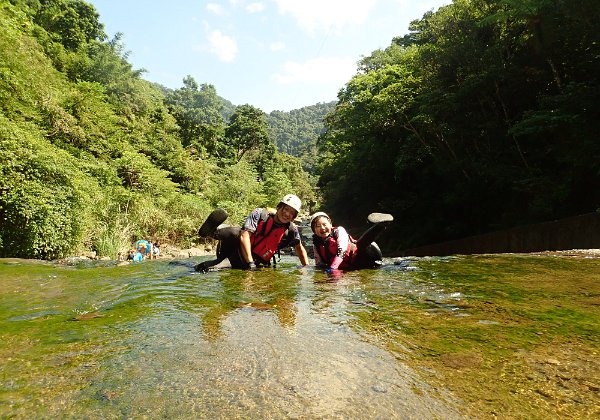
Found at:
[165, 341]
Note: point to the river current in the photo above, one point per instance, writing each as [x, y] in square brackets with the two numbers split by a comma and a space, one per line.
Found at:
[156, 339]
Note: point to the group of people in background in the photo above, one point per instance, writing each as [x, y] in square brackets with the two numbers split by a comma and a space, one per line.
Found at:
[266, 231]
[142, 249]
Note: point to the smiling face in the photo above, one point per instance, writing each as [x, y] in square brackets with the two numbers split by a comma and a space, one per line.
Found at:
[285, 214]
[322, 227]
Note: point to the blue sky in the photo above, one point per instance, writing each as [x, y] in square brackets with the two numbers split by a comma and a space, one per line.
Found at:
[273, 54]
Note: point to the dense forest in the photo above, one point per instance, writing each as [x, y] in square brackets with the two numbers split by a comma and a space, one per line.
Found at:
[484, 116]
[93, 157]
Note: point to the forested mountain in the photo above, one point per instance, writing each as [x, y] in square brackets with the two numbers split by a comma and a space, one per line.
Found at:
[296, 132]
[292, 131]
[485, 116]
[93, 157]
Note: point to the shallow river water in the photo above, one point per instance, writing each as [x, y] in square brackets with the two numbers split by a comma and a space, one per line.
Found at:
[461, 337]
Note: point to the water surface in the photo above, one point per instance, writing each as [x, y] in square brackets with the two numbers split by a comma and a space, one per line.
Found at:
[423, 338]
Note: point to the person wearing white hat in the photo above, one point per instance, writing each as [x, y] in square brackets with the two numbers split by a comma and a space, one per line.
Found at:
[263, 234]
[335, 249]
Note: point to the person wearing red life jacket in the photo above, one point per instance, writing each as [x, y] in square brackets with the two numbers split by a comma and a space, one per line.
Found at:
[263, 234]
[335, 249]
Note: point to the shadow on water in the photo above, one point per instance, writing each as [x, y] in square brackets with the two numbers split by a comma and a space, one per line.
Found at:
[423, 338]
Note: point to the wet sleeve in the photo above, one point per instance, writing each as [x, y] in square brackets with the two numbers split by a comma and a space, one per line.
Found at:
[336, 262]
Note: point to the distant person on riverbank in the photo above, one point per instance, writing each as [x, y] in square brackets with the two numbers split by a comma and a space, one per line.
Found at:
[144, 247]
[263, 234]
[156, 249]
[335, 249]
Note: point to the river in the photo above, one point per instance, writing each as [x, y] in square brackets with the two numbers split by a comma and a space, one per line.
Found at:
[455, 337]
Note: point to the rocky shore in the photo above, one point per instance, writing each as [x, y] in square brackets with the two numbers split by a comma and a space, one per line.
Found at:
[167, 251]
[591, 253]
[173, 252]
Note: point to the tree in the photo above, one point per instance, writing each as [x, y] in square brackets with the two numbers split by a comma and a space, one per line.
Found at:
[480, 119]
[92, 156]
[246, 131]
[197, 109]
[73, 22]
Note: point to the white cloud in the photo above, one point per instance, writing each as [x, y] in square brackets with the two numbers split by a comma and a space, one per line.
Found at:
[255, 7]
[276, 46]
[313, 14]
[225, 47]
[423, 5]
[317, 71]
[215, 8]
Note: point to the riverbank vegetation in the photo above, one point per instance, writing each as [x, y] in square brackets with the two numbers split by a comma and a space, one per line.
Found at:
[93, 157]
[483, 117]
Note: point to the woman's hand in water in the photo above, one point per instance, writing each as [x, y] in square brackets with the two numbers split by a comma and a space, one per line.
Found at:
[333, 272]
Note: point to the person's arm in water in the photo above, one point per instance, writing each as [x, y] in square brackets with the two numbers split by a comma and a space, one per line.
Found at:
[343, 240]
[248, 229]
[301, 253]
[245, 246]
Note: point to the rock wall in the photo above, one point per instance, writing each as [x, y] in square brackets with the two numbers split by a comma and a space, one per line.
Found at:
[578, 232]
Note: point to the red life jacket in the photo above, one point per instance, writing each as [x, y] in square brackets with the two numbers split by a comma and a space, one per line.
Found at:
[328, 248]
[266, 238]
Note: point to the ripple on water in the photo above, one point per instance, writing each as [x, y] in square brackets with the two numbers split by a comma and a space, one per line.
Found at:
[169, 342]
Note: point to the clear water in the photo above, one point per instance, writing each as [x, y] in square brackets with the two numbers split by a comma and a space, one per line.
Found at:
[157, 340]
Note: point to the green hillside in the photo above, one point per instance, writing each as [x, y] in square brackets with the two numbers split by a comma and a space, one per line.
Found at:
[296, 132]
[93, 157]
